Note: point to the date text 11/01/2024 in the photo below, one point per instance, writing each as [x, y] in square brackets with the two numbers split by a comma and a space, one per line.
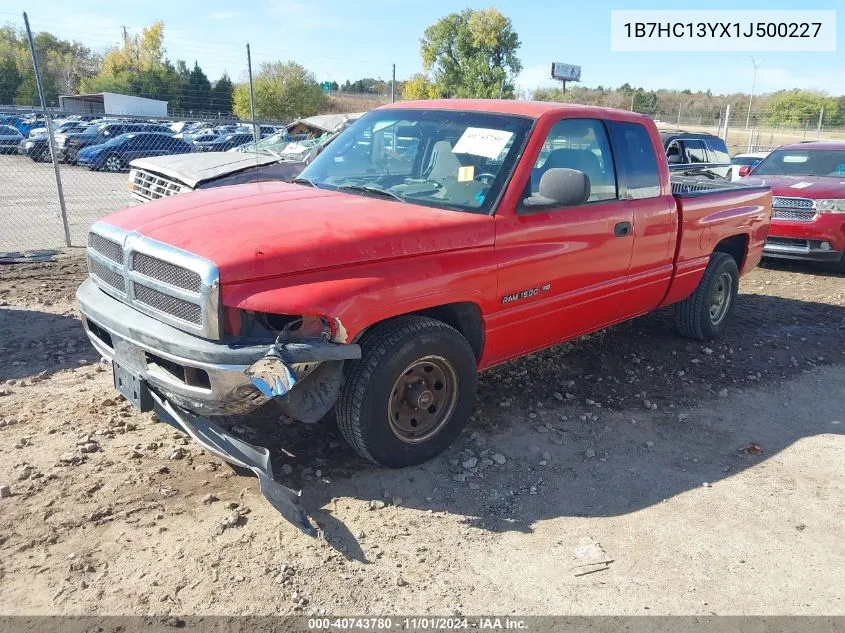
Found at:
[418, 624]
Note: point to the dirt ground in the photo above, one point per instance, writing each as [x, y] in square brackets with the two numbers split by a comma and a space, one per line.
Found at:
[631, 472]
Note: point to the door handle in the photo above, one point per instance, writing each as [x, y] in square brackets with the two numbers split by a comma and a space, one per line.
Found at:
[622, 229]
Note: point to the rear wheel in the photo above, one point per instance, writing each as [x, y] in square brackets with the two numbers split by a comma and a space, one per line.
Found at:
[113, 163]
[704, 314]
[411, 393]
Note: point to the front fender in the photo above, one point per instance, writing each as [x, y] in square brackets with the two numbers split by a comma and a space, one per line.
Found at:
[357, 296]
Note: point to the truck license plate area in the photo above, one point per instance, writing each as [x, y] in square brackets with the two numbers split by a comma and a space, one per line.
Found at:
[132, 388]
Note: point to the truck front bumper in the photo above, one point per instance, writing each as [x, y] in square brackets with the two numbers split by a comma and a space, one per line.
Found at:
[202, 376]
[185, 378]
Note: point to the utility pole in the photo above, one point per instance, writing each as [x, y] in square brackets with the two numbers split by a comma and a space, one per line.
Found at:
[819, 127]
[393, 86]
[632, 103]
[125, 36]
[727, 121]
[753, 84]
[256, 132]
[48, 121]
[679, 115]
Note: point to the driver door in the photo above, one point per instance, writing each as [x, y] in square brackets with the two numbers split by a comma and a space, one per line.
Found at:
[562, 270]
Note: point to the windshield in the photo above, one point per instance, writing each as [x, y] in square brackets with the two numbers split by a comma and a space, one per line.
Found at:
[118, 140]
[440, 158]
[810, 162]
[95, 129]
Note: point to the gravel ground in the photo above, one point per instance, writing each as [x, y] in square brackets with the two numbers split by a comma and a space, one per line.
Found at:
[30, 203]
[630, 472]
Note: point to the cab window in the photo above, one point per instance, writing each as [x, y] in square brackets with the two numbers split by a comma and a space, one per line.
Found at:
[583, 145]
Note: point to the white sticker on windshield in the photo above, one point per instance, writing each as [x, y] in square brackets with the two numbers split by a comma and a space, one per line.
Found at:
[482, 141]
[801, 185]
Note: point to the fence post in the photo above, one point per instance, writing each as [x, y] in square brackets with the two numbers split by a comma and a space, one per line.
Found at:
[256, 133]
[48, 121]
[819, 128]
[393, 86]
[727, 123]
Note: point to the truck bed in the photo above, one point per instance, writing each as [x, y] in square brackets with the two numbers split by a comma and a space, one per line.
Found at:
[720, 215]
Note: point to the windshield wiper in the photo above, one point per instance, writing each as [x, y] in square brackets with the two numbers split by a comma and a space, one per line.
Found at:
[303, 181]
[376, 190]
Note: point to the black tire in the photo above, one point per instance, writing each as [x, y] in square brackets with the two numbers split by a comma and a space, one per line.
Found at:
[369, 391]
[694, 317]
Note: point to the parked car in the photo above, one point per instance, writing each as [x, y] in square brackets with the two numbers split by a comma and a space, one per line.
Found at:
[381, 284]
[223, 142]
[23, 123]
[70, 144]
[744, 163]
[60, 127]
[10, 138]
[696, 153]
[38, 147]
[808, 208]
[114, 155]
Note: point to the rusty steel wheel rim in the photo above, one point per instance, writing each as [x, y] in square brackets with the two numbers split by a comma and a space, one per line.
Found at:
[720, 298]
[423, 399]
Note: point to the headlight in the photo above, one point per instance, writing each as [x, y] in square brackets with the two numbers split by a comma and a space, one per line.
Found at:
[29, 145]
[831, 205]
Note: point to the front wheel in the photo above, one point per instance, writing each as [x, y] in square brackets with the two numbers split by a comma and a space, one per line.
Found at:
[411, 393]
[704, 315]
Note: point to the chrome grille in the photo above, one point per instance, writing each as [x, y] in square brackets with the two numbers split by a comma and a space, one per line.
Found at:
[795, 203]
[166, 272]
[795, 215]
[169, 284]
[183, 310]
[107, 275]
[149, 186]
[793, 209]
[106, 248]
[786, 241]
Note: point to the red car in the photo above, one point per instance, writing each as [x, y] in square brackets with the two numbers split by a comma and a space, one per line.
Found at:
[430, 241]
[808, 207]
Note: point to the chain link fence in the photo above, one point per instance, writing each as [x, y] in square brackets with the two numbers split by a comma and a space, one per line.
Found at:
[81, 173]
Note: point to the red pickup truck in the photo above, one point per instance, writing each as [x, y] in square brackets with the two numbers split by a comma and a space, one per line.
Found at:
[808, 208]
[430, 241]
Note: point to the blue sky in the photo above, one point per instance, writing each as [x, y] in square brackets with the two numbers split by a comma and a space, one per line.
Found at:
[346, 40]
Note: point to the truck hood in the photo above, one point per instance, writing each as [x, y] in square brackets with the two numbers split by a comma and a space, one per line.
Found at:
[193, 169]
[268, 229]
[800, 186]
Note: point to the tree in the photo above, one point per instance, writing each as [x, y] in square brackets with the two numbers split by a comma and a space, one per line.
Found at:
[472, 54]
[418, 87]
[194, 88]
[222, 94]
[10, 79]
[139, 68]
[27, 92]
[284, 91]
[798, 108]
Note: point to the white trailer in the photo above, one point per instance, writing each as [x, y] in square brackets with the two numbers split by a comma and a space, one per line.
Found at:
[112, 103]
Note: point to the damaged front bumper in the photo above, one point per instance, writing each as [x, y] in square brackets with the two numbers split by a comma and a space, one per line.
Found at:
[234, 450]
[186, 379]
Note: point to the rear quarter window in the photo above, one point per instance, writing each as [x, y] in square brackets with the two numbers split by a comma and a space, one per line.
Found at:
[636, 159]
[719, 150]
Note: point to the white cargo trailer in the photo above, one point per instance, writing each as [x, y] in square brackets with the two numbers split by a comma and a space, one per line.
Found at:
[112, 103]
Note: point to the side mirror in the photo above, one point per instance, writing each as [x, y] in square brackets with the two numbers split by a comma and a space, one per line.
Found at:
[675, 159]
[560, 187]
[744, 170]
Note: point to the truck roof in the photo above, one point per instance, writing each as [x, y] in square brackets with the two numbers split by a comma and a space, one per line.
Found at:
[835, 145]
[533, 109]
